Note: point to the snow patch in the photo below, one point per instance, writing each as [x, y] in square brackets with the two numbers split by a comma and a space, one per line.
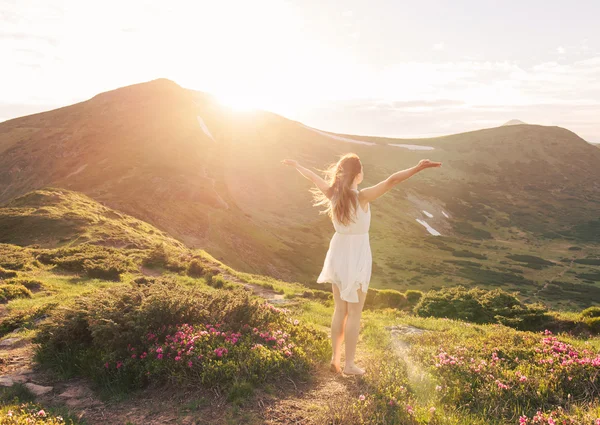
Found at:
[428, 214]
[205, 128]
[413, 147]
[340, 138]
[428, 227]
[445, 215]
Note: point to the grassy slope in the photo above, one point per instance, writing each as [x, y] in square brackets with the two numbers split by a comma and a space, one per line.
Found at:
[139, 149]
[376, 351]
[387, 366]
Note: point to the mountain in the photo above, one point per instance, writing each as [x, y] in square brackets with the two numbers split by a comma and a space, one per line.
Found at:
[514, 122]
[212, 178]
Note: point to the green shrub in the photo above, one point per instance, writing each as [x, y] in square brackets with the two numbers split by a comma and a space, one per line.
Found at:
[6, 274]
[593, 324]
[14, 257]
[588, 261]
[29, 283]
[10, 292]
[106, 269]
[217, 281]
[24, 318]
[453, 303]
[317, 294]
[96, 261]
[481, 306]
[156, 257]
[162, 256]
[389, 298]
[591, 312]
[195, 268]
[144, 280]
[413, 296]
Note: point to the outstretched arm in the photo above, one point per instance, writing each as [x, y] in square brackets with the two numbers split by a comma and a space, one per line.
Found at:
[371, 193]
[315, 178]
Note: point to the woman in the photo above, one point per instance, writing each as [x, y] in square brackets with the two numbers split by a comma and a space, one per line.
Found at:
[348, 261]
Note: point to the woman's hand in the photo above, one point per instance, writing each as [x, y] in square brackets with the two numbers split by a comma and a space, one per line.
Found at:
[290, 162]
[425, 163]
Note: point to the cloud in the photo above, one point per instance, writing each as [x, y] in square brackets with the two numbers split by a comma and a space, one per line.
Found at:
[438, 46]
[561, 50]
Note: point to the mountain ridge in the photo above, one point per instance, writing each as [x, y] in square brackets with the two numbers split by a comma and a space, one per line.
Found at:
[142, 150]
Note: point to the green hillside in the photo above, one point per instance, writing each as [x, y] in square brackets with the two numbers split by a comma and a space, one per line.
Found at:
[143, 330]
[212, 179]
[54, 217]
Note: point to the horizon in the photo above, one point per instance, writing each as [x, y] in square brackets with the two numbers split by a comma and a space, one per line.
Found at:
[359, 69]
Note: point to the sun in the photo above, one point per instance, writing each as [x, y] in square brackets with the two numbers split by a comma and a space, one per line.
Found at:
[237, 102]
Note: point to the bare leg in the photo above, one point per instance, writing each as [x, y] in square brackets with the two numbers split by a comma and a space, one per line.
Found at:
[338, 323]
[352, 330]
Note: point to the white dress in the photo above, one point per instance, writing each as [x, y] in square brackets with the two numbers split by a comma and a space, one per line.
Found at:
[348, 261]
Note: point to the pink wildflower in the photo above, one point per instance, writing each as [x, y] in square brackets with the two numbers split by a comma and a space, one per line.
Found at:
[41, 413]
[522, 420]
[361, 397]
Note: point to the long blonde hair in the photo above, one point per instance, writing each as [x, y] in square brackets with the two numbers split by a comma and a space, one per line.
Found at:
[341, 201]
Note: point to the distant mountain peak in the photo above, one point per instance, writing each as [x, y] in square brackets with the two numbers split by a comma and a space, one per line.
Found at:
[513, 122]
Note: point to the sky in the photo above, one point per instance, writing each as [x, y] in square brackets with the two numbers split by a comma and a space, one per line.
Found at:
[383, 68]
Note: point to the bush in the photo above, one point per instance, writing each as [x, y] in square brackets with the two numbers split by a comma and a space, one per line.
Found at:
[388, 298]
[195, 268]
[453, 303]
[6, 274]
[317, 294]
[10, 292]
[24, 318]
[106, 269]
[96, 261]
[593, 324]
[31, 284]
[591, 312]
[13, 257]
[217, 281]
[413, 296]
[480, 306]
[129, 336]
[513, 373]
[144, 280]
[161, 256]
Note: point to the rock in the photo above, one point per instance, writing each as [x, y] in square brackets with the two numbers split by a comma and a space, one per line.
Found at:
[37, 389]
[9, 380]
[6, 381]
[405, 329]
[9, 341]
[75, 392]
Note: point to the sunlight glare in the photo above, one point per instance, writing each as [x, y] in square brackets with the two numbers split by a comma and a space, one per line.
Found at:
[237, 102]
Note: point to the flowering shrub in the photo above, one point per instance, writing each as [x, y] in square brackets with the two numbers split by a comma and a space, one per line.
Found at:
[534, 374]
[132, 336]
[30, 414]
